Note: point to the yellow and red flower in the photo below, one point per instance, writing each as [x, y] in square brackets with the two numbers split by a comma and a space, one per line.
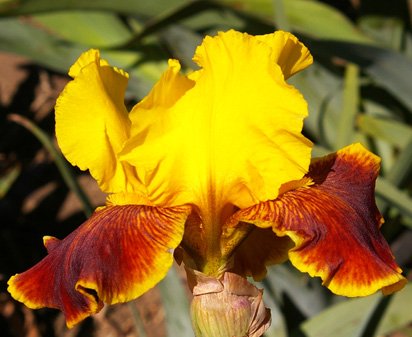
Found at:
[213, 162]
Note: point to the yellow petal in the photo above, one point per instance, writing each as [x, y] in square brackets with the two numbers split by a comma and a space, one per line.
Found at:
[231, 137]
[169, 89]
[92, 122]
[288, 52]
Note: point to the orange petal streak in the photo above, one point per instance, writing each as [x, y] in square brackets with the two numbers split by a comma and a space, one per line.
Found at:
[334, 224]
[115, 256]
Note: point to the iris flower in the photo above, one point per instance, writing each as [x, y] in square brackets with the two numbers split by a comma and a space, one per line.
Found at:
[212, 167]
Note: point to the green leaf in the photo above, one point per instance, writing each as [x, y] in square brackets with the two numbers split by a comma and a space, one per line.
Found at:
[62, 165]
[17, 36]
[94, 29]
[306, 293]
[278, 326]
[281, 18]
[143, 8]
[301, 14]
[393, 132]
[319, 151]
[7, 179]
[395, 197]
[217, 18]
[348, 319]
[182, 42]
[137, 319]
[345, 129]
[143, 76]
[389, 69]
[196, 10]
[387, 30]
[401, 169]
[323, 91]
[370, 326]
[176, 305]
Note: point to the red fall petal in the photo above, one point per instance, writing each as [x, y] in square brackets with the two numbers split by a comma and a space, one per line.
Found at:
[334, 224]
[115, 256]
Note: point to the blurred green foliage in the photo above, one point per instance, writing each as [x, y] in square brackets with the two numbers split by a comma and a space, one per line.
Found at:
[359, 89]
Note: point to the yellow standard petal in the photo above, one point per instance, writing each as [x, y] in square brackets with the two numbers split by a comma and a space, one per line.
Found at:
[229, 134]
[92, 121]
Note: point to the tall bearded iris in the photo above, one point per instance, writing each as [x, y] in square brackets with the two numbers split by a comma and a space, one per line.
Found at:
[214, 164]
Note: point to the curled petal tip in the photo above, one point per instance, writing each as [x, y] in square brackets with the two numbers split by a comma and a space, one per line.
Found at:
[390, 289]
[50, 242]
